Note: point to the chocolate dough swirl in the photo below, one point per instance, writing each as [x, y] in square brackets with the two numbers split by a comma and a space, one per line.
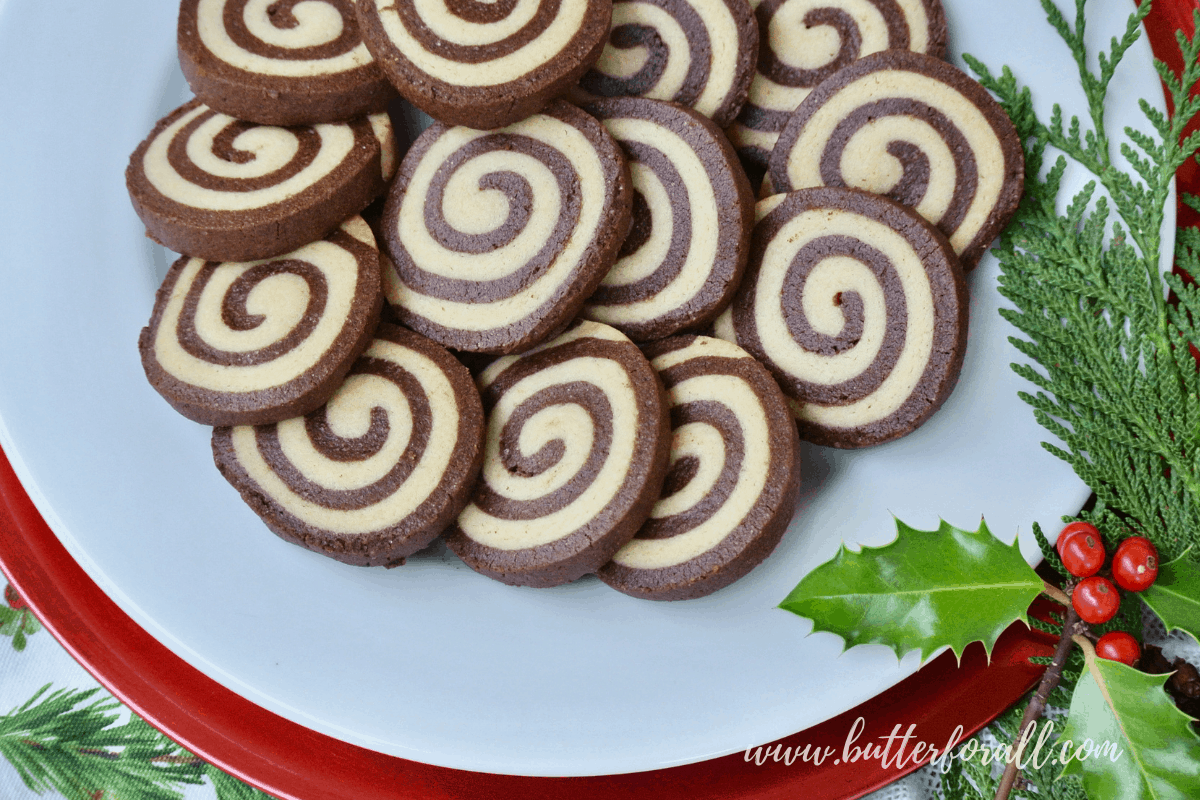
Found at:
[484, 63]
[918, 130]
[214, 187]
[280, 62]
[858, 307]
[575, 453]
[733, 480]
[497, 238]
[244, 343]
[692, 214]
[699, 53]
[380, 470]
[803, 42]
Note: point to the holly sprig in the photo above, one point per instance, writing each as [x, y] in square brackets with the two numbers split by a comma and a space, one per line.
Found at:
[1111, 357]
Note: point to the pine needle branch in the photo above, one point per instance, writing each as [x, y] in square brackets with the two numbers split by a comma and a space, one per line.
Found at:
[1109, 356]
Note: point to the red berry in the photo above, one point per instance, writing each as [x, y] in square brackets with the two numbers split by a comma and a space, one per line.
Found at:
[1095, 600]
[1072, 529]
[1081, 549]
[14, 600]
[1119, 646]
[1135, 565]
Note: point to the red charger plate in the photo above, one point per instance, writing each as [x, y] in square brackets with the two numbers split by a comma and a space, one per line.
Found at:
[291, 761]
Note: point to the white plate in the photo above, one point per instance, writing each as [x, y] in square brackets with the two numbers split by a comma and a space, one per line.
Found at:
[433, 662]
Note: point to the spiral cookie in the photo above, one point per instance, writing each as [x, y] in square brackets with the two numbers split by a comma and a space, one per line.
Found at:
[252, 343]
[692, 214]
[803, 42]
[575, 453]
[699, 53]
[280, 62]
[733, 479]
[858, 307]
[918, 130]
[380, 470]
[484, 63]
[498, 238]
[214, 187]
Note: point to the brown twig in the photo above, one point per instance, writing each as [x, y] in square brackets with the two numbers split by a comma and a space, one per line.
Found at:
[1071, 627]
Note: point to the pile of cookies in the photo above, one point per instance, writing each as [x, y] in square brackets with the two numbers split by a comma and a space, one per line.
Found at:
[576, 220]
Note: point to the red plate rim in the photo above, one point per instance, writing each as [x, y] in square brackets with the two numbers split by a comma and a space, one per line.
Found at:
[290, 761]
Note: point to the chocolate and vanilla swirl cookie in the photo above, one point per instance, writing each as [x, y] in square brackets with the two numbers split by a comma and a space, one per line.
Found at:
[484, 63]
[379, 471]
[858, 307]
[733, 480]
[280, 62]
[917, 130]
[803, 42]
[699, 53]
[498, 237]
[257, 342]
[692, 215]
[574, 457]
[218, 188]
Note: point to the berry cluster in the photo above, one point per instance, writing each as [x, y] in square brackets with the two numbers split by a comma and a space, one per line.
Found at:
[1095, 598]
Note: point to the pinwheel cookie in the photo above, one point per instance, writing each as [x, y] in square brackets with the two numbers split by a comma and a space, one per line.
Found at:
[733, 481]
[498, 237]
[803, 42]
[244, 343]
[295, 62]
[692, 215]
[918, 130]
[858, 307]
[484, 64]
[576, 451]
[380, 470]
[218, 188]
[699, 53]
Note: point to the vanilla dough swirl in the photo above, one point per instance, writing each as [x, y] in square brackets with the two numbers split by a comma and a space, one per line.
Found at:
[692, 214]
[803, 42]
[484, 63]
[575, 452]
[917, 130]
[380, 470]
[858, 307]
[498, 237]
[699, 53]
[244, 343]
[214, 187]
[280, 62]
[733, 479]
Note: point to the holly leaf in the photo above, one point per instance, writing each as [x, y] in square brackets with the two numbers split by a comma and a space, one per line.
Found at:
[1127, 740]
[924, 590]
[1175, 596]
[18, 641]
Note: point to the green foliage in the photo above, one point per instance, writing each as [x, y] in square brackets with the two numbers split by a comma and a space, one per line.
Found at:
[1175, 596]
[72, 742]
[1117, 383]
[62, 742]
[1159, 753]
[19, 623]
[924, 590]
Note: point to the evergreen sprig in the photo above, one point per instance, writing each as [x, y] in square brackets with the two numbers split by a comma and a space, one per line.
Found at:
[72, 742]
[1117, 381]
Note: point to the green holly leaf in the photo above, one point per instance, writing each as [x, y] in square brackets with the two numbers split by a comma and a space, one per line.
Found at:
[1133, 743]
[1175, 596]
[924, 590]
[18, 641]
